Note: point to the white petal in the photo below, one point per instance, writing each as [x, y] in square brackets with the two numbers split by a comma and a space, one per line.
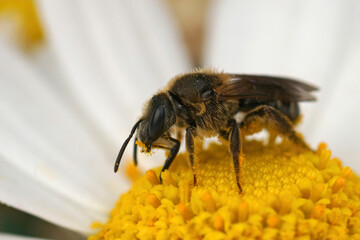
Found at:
[53, 165]
[311, 40]
[339, 121]
[111, 58]
[4, 236]
[115, 55]
[59, 146]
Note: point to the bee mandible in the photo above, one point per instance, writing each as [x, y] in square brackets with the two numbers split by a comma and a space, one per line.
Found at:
[204, 103]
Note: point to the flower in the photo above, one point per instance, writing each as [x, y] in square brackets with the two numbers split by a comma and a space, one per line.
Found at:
[67, 105]
[63, 105]
[287, 194]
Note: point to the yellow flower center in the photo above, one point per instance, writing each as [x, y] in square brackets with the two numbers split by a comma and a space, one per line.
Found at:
[287, 193]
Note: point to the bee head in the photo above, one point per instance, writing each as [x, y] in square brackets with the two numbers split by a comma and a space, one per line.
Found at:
[159, 116]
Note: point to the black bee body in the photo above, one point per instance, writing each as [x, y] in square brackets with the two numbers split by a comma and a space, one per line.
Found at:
[204, 103]
[196, 103]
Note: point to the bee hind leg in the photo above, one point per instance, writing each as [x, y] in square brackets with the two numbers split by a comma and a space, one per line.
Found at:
[189, 139]
[236, 149]
[273, 120]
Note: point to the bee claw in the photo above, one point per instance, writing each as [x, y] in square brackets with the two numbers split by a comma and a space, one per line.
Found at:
[240, 189]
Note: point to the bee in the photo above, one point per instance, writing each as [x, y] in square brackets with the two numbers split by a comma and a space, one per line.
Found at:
[204, 103]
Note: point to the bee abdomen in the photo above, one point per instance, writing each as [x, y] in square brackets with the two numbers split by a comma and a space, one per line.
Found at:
[290, 109]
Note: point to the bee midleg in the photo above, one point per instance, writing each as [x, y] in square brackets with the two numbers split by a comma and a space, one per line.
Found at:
[274, 120]
[235, 148]
[171, 144]
[189, 139]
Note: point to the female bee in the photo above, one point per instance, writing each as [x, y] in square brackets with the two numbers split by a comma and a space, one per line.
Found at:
[204, 103]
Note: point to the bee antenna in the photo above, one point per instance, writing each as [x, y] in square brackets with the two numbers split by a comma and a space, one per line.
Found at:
[123, 147]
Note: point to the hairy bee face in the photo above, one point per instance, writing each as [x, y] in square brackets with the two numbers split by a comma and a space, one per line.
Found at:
[158, 118]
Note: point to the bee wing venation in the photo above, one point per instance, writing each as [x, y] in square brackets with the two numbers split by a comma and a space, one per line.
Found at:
[265, 88]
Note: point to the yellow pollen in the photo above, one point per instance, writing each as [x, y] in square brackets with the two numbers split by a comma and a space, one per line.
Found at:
[322, 146]
[338, 184]
[318, 211]
[218, 223]
[132, 171]
[184, 211]
[288, 193]
[272, 221]
[151, 177]
[153, 200]
[243, 211]
[144, 148]
[209, 202]
[167, 178]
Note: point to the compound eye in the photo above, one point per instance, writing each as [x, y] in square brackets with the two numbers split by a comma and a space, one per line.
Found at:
[156, 128]
[207, 94]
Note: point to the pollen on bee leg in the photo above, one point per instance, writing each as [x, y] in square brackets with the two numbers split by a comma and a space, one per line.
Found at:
[144, 148]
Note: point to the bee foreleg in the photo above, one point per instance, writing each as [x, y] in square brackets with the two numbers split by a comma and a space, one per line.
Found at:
[273, 120]
[190, 148]
[235, 148]
[171, 144]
